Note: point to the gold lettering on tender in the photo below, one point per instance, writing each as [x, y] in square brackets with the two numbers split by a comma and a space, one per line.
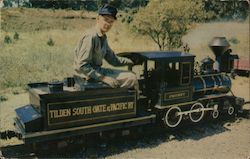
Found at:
[124, 106]
[117, 106]
[104, 108]
[99, 108]
[82, 111]
[112, 107]
[91, 109]
[130, 105]
[51, 112]
[120, 106]
[108, 108]
[60, 113]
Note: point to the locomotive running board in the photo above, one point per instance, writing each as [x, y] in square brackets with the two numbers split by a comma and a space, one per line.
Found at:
[81, 130]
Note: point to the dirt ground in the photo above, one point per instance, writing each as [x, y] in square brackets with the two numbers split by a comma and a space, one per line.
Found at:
[229, 139]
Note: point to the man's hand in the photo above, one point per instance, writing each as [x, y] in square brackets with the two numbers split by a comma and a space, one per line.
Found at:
[110, 81]
[130, 66]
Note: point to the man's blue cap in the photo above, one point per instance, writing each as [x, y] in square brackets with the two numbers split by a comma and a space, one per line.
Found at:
[108, 10]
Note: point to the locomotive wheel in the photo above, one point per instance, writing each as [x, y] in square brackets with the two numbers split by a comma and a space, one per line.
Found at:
[196, 116]
[215, 114]
[230, 110]
[172, 119]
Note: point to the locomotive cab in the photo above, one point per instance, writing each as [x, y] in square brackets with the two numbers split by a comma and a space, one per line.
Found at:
[166, 78]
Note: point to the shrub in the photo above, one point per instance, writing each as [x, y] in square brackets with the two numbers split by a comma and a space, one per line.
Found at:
[50, 42]
[3, 98]
[123, 20]
[16, 36]
[116, 39]
[129, 19]
[64, 27]
[15, 92]
[7, 39]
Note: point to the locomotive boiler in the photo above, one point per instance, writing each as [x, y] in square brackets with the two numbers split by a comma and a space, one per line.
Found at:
[172, 89]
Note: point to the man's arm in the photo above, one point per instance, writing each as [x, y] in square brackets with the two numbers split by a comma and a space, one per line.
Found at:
[116, 60]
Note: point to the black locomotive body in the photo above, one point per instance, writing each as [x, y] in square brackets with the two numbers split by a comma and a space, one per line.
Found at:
[170, 91]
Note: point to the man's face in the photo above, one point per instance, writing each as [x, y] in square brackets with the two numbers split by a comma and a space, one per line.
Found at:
[105, 22]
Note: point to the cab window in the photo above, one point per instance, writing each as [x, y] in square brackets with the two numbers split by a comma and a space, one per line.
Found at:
[185, 73]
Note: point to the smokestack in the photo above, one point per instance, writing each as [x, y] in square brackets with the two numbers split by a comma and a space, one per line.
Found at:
[219, 45]
[220, 48]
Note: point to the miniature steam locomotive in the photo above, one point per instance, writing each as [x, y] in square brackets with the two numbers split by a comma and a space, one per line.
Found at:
[171, 90]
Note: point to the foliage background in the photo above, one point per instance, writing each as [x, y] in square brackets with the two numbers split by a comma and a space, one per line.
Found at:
[30, 57]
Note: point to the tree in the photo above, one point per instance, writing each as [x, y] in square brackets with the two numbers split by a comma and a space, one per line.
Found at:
[101, 2]
[167, 21]
[121, 4]
[7, 3]
[233, 9]
[134, 3]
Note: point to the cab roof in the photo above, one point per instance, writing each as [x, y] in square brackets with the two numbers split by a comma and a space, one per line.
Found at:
[167, 56]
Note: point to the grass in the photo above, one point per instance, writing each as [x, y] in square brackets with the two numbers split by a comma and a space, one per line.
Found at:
[31, 59]
[28, 20]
